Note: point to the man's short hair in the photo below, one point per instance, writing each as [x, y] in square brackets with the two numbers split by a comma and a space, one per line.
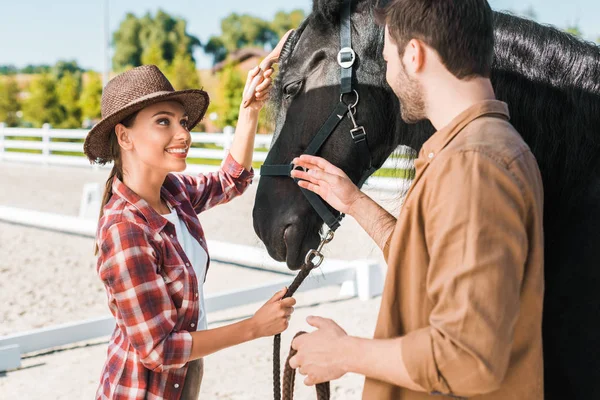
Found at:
[461, 31]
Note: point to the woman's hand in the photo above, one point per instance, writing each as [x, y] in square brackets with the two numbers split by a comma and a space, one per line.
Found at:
[262, 91]
[328, 181]
[274, 316]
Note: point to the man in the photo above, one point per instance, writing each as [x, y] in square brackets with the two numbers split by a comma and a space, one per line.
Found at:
[461, 310]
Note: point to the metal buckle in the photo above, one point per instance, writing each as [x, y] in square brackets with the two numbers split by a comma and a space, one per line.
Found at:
[313, 255]
[360, 136]
[346, 64]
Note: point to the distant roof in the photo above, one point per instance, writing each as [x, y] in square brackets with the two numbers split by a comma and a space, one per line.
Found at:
[239, 56]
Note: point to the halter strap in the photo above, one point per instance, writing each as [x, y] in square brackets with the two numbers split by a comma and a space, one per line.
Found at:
[346, 58]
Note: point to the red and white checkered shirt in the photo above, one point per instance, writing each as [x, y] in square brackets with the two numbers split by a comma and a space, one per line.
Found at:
[151, 286]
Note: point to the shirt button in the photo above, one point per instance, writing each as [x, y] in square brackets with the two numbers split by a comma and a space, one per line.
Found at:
[187, 264]
[192, 324]
[171, 235]
[196, 294]
[176, 385]
[430, 155]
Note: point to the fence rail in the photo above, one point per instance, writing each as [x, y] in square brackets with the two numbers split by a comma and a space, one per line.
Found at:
[360, 278]
[65, 147]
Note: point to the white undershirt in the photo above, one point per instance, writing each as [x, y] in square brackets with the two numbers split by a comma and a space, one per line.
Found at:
[197, 256]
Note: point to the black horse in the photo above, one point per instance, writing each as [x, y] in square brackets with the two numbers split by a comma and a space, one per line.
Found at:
[551, 82]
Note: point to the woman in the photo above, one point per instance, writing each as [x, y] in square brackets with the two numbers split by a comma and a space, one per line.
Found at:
[152, 254]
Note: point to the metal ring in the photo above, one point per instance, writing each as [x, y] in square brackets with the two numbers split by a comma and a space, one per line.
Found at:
[314, 254]
[355, 103]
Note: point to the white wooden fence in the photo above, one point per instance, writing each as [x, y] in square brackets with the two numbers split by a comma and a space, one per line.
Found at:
[362, 278]
[41, 146]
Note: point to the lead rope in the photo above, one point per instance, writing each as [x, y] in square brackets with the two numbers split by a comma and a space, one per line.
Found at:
[313, 259]
[289, 377]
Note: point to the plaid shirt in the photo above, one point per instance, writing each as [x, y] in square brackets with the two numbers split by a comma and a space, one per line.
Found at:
[151, 286]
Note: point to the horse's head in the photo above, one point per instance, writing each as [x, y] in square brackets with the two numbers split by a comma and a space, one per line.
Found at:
[306, 91]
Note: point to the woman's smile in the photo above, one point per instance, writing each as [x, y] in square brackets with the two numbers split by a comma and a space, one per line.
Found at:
[179, 152]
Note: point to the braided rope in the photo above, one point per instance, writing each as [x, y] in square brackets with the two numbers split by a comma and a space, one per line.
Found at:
[289, 374]
[289, 377]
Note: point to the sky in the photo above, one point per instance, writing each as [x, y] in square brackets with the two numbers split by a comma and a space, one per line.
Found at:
[43, 32]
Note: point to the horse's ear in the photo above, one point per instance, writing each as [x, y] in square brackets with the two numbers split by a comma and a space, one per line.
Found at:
[328, 9]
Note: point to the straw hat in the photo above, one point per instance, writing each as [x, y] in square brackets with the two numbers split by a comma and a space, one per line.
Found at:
[130, 92]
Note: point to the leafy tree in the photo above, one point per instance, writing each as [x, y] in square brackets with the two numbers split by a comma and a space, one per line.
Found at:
[126, 41]
[151, 40]
[43, 105]
[182, 73]
[243, 30]
[68, 89]
[283, 22]
[216, 48]
[153, 55]
[232, 88]
[8, 70]
[36, 69]
[66, 67]
[238, 31]
[89, 101]
[9, 101]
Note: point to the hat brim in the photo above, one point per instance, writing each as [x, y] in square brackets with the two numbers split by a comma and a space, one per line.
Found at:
[96, 146]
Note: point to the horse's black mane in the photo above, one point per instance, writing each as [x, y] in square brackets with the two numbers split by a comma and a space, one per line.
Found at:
[551, 81]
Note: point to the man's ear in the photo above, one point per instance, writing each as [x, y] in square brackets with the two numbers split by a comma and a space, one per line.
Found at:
[414, 56]
[123, 137]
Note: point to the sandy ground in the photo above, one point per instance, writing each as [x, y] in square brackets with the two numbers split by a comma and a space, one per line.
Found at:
[48, 278]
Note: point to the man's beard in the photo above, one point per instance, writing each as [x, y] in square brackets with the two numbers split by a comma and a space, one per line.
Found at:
[410, 93]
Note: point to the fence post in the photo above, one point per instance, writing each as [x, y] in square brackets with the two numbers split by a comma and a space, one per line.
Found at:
[10, 357]
[228, 133]
[46, 143]
[2, 126]
[369, 279]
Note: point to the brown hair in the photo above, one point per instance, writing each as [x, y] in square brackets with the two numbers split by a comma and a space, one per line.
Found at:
[461, 31]
[117, 169]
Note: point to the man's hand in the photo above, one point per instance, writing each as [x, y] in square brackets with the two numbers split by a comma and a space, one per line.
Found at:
[328, 181]
[321, 353]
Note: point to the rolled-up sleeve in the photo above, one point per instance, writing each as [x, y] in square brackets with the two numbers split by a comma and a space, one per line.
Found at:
[476, 234]
[145, 311]
[208, 190]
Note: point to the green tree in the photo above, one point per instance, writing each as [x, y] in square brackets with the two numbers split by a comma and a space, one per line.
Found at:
[182, 73]
[238, 31]
[36, 69]
[126, 41]
[216, 48]
[89, 101]
[8, 70]
[66, 67]
[9, 101]
[283, 21]
[153, 55]
[68, 89]
[43, 105]
[154, 39]
[232, 88]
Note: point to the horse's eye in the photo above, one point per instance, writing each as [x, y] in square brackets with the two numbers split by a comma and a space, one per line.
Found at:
[292, 89]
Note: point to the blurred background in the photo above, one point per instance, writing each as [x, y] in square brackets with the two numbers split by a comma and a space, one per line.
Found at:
[54, 56]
